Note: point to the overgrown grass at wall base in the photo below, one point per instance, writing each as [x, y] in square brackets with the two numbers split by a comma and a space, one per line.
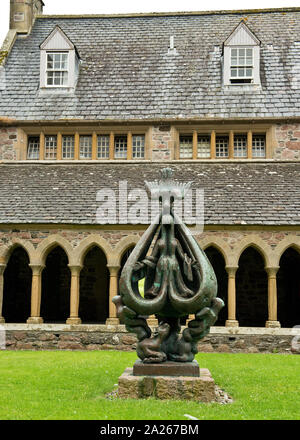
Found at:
[73, 385]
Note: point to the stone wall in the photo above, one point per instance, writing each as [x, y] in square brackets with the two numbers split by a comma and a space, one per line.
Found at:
[231, 238]
[162, 143]
[109, 338]
[8, 140]
[288, 141]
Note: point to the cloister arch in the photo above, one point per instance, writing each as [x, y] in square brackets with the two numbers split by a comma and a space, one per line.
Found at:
[56, 281]
[80, 252]
[220, 245]
[126, 243]
[217, 261]
[48, 244]
[288, 287]
[251, 289]
[283, 245]
[258, 244]
[7, 250]
[94, 286]
[17, 286]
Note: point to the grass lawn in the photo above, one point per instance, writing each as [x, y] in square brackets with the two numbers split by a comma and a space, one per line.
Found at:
[72, 385]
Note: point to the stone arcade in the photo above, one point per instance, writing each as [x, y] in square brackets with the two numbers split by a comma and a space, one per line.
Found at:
[89, 101]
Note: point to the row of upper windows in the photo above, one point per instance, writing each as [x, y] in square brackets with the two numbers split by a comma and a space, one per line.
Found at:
[60, 59]
[240, 146]
[85, 147]
[117, 147]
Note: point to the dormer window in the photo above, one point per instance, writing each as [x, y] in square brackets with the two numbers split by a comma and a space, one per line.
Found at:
[241, 62]
[59, 62]
[241, 65]
[57, 69]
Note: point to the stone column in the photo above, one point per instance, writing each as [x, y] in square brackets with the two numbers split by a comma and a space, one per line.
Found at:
[2, 269]
[272, 297]
[231, 321]
[74, 295]
[36, 292]
[113, 291]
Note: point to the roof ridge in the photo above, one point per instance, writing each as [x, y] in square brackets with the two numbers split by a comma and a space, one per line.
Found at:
[172, 14]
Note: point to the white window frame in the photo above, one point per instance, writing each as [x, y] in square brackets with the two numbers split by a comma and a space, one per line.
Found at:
[255, 79]
[67, 70]
[240, 66]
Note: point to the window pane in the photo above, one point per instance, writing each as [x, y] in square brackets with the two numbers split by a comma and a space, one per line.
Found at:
[121, 147]
[222, 146]
[50, 147]
[49, 61]
[240, 145]
[258, 145]
[186, 147]
[138, 146]
[85, 147]
[242, 64]
[203, 146]
[49, 78]
[57, 69]
[68, 146]
[64, 78]
[33, 150]
[103, 147]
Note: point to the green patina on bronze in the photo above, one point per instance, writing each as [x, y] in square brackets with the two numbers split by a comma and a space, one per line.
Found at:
[179, 281]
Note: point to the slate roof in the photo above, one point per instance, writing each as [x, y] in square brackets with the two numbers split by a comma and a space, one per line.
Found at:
[127, 73]
[235, 193]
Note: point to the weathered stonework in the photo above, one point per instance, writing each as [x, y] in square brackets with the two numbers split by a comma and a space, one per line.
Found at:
[162, 143]
[101, 337]
[288, 142]
[8, 140]
[200, 389]
[230, 242]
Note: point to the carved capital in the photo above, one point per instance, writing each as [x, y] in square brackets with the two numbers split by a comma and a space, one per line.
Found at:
[272, 271]
[37, 269]
[231, 271]
[75, 270]
[113, 270]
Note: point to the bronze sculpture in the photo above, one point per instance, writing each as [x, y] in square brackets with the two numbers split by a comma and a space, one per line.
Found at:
[179, 281]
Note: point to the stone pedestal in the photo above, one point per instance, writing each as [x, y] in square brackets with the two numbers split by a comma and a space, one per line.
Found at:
[189, 369]
[35, 320]
[112, 321]
[200, 389]
[273, 324]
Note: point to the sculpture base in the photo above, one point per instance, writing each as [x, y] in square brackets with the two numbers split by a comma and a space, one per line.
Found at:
[188, 369]
[201, 389]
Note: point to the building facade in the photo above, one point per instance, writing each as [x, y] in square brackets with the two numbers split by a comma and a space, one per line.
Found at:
[95, 102]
